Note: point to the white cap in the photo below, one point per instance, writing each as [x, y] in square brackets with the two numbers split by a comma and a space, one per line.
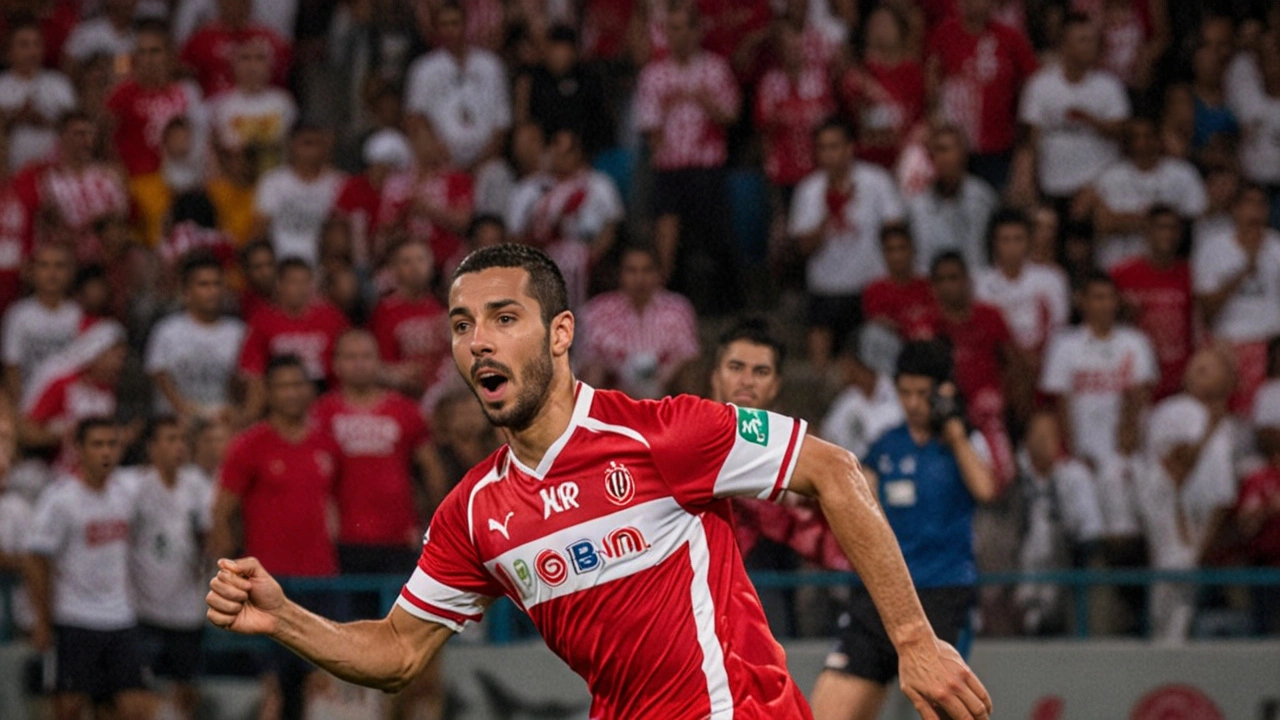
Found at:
[388, 147]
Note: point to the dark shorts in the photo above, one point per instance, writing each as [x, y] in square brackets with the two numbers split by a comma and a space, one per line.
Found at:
[173, 654]
[841, 314]
[863, 648]
[96, 663]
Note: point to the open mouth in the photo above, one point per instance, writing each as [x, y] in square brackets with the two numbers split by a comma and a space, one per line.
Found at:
[491, 382]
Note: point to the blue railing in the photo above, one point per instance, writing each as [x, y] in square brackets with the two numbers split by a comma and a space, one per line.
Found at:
[503, 623]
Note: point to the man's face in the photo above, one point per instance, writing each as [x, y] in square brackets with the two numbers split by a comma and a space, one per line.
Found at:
[151, 58]
[500, 344]
[252, 64]
[100, 451]
[309, 149]
[976, 11]
[682, 36]
[167, 450]
[565, 157]
[203, 293]
[51, 270]
[211, 444]
[235, 12]
[289, 392]
[1208, 376]
[1081, 44]
[26, 49]
[355, 361]
[747, 375]
[413, 267]
[1012, 244]
[77, 140]
[1144, 141]
[450, 26]
[948, 156]
[1164, 234]
[1250, 210]
[833, 150]
[951, 285]
[295, 288]
[107, 368]
[1100, 305]
[899, 255]
[639, 278]
[914, 392]
[260, 268]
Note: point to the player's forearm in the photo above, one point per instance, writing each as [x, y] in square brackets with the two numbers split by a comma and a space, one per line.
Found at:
[369, 653]
[35, 574]
[866, 538]
[975, 473]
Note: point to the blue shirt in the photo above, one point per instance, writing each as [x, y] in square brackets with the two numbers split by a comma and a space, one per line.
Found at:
[928, 506]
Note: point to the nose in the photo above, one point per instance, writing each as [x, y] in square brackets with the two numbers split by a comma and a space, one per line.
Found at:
[480, 345]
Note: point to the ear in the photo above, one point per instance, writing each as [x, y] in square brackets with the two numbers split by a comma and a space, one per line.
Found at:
[561, 331]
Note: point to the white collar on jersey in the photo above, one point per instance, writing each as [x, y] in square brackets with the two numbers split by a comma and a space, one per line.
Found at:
[583, 395]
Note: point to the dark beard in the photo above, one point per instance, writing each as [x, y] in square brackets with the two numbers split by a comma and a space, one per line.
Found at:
[535, 386]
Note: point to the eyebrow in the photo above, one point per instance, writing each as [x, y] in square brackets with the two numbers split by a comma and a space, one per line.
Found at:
[491, 306]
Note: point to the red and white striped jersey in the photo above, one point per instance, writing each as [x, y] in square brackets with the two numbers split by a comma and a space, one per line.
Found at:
[620, 547]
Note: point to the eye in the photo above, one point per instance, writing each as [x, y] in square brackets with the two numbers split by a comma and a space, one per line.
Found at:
[506, 319]
[461, 327]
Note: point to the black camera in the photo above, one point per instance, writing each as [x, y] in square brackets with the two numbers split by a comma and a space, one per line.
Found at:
[943, 406]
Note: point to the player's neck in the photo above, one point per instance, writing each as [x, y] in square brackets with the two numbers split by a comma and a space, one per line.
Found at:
[94, 482]
[531, 444]
[292, 429]
[51, 300]
[362, 395]
[168, 476]
[920, 436]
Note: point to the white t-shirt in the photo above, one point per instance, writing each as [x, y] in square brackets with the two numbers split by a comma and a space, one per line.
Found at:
[264, 118]
[849, 257]
[1119, 479]
[955, 223]
[1071, 154]
[298, 210]
[465, 103]
[1260, 146]
[201, 359]
[1092, 375]
[1266, 405]
[1124, 188]
[1073, 494]
[15, 524]
[1253, 313]
[1211, 485]
[33, 333]
[167, 565]
[85, 536]
[50, 94]
[98, 37]
[855, 421]
[1035, 304]
[599, 206]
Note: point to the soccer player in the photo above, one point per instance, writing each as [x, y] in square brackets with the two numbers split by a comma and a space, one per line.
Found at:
[605, 519]
[77, 573]
[928, 472]
[171, 516]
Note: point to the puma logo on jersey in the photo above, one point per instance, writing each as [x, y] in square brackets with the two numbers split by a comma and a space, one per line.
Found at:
[557, 499]
[495, 526]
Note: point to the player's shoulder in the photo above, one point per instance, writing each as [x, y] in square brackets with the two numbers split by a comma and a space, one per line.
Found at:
[618, 409]
[890, 442]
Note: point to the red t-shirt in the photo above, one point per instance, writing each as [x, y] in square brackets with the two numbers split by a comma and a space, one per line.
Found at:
[1260, 490]
[284, 488]
[620, 548]
[412, 330]
[724, 23]
[1163, 306]
[210, 52]
[375, 446]
[360, 203]
[976, 341]
[788, 112]
[885, 102]
[909, 307]
[67, 400]
[448, 189]
[251, 303]
[982, 76]
[605, 24]
[141, 115]
[310, 336]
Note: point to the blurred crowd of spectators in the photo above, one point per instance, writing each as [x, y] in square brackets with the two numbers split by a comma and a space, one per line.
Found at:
[1081, 196]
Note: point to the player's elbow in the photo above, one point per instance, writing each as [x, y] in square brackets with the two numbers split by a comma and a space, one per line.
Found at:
[838, 474]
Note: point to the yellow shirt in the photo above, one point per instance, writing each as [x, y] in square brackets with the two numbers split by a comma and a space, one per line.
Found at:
[236, 214]
[152, 199]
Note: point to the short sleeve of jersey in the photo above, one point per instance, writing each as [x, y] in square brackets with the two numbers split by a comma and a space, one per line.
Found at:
[49, 526]
[707, 450]
[1055, 379]
[158, 358]
[450, 586]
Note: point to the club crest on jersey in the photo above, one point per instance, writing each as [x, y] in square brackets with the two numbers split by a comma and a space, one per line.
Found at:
[753, 426]
[556, 500]
[551, 567]
[619, 486]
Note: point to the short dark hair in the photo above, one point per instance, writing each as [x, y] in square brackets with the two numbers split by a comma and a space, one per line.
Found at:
[561, 33]
[1073, 19]
[1097, 277]
[1007, 216]
[24, 21]
[483, 219]
[1162, 210]
[896, 229]
[754, 330]
[293, 263]
[839, 124]
[947, 256]
[153, 26]
[1247, 188]
[545, 283]
[256, 246]
[196, 261]
[91, 423]
[283, 362]
[194, 206]
[87, 274]
[930, 358]
[158, 423]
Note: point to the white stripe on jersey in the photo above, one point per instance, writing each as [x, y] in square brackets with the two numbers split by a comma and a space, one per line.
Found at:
[595, 425]
[581, 408]
[489, 479]
[704, 618]
[441, 596]
[740, 475]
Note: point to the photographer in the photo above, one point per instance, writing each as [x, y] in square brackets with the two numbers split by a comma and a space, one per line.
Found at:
[930, 474]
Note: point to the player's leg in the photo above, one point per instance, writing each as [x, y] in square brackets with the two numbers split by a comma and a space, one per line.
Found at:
[123, 678]
[75, 678]
[839, 696]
